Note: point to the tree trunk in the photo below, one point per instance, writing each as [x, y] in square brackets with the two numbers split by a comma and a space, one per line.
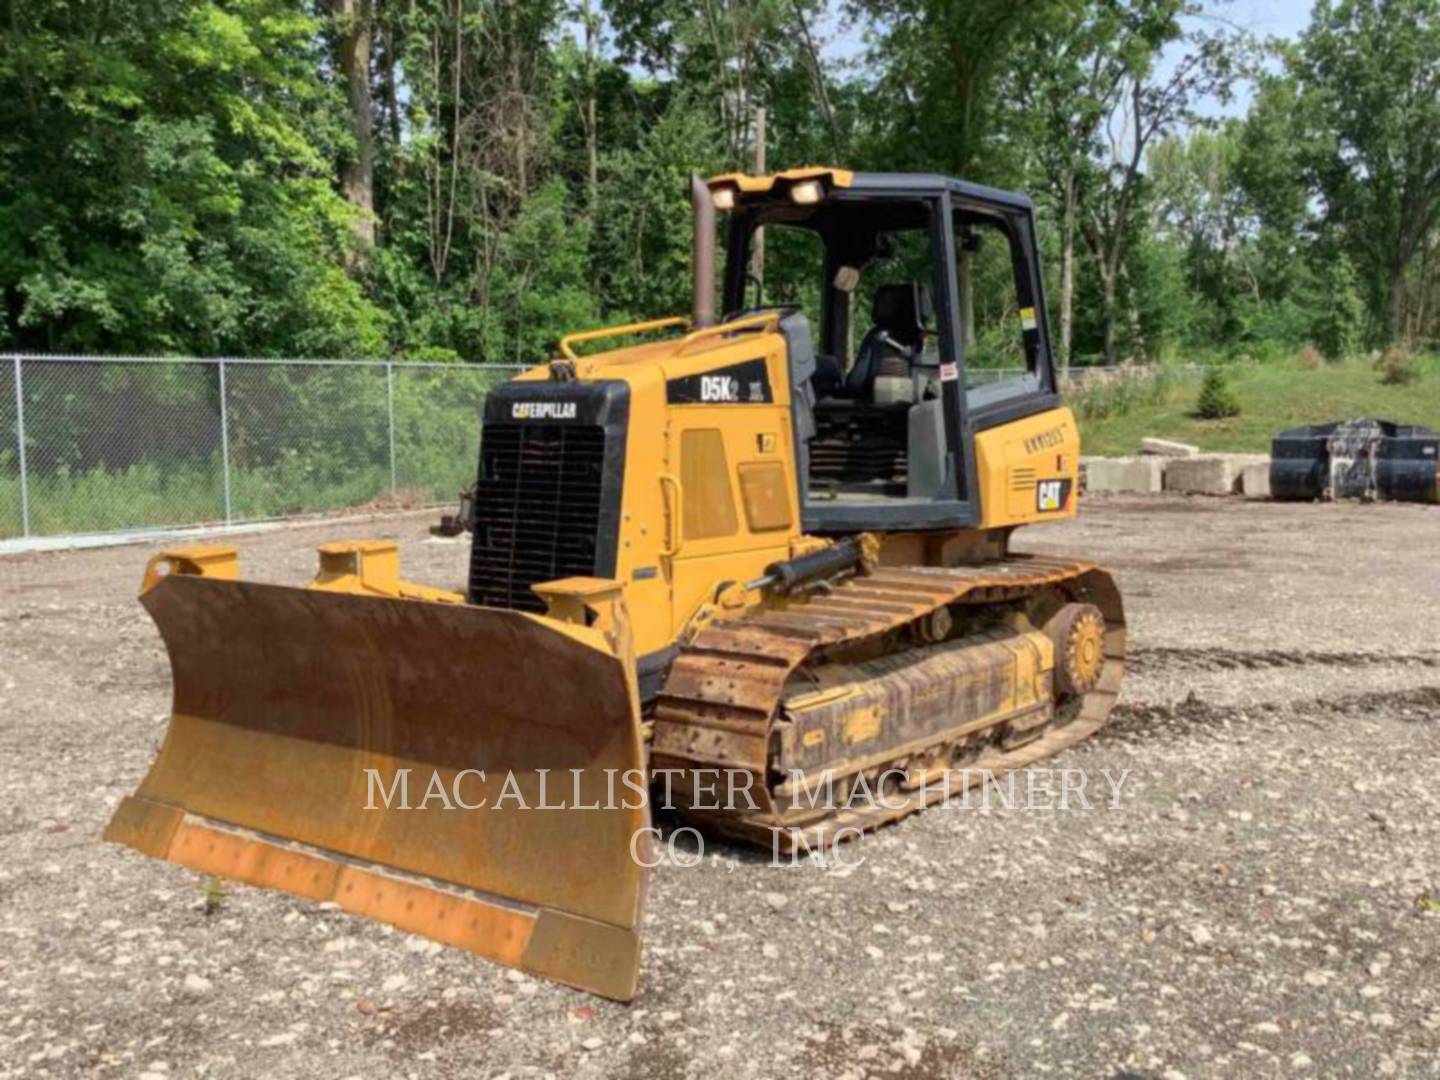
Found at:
[389, 46]
[1141, 349]
[592, 141]
[817, 81]
[1422, 293]
[757, 242]
[1397, 301]
[1067, 274]
[1107, 281]
[357, 172]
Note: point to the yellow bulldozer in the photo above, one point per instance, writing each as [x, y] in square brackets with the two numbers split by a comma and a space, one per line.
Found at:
[758, 553]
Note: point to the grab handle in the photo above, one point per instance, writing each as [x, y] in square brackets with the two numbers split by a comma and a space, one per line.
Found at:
[569, 341]
[766, 320]
[671, 542]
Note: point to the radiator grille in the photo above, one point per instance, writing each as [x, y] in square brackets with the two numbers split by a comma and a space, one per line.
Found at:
[537, 510]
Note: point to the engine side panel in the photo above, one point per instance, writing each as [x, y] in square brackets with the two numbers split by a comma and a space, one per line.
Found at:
[1029, 470]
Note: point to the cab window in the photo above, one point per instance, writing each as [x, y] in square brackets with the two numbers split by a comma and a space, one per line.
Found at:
[998, 318]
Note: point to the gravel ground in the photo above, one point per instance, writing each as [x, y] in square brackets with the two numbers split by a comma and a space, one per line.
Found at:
[1265, 900]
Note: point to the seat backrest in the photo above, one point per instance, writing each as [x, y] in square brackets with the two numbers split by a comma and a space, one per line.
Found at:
[903, 309]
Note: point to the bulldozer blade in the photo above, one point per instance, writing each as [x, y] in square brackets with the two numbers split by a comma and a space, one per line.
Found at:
[464, 773]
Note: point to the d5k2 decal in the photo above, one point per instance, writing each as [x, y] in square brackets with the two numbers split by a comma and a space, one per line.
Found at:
[745, 383]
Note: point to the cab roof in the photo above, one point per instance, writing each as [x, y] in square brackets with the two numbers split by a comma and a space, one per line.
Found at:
[879, 183]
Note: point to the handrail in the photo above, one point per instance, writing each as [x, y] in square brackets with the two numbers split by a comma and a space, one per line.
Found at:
[670, 542]
[769, 319]
[618, 331]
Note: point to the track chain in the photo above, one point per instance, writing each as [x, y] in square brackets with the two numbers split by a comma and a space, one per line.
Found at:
[723, 693]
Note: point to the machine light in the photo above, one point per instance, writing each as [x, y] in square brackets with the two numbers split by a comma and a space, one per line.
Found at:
[806, 193]
[724, 198]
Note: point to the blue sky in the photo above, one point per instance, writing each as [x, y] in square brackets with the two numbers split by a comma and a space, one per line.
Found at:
[1263, 18]
[1280, 18]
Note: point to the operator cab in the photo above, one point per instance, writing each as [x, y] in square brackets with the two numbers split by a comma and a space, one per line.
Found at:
[914, 318]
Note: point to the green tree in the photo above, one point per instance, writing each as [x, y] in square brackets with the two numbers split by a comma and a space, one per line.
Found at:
[1369, 74]
[1146, 103]
[1218, 399]
[643, 239]
[1269, 172]
[1092, 100]
[166, 183]
[1340, 326]
[1063, 84]
[1201, 210]
[940, 68]
[728, 54]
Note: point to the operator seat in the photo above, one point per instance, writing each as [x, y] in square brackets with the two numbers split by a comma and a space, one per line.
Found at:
[899, 315]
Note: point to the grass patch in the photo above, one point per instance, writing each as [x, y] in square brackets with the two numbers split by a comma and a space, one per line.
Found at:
[214, 896]
[1273, 397]
[155, 495]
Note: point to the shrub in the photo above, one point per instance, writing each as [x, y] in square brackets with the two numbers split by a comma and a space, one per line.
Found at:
[1217, 398]
[1115, 393]
[1309, 359]
[1272, 329]
[1161, 383]
[1396, 366]
[433, 354]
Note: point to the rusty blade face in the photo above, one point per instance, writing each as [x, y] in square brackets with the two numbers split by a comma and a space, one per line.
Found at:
[501, 743]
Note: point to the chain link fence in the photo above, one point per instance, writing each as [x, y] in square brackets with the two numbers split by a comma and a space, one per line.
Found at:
[95, 445]
[11, 447]
[98, 445]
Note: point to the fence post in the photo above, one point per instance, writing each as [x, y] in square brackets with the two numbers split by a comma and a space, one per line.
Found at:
[390, 412]
[224, 442]
[20, 442]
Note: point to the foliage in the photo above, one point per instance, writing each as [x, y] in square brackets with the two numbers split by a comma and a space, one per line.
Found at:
[1276, 396]
[1166, 313]
[939, 66]
[1112, 394]
[1396, 366]
[165, 183]
[642, 226]
[202, 177]
[1218, 399]
[1369, 74]
[1270, 176]
[190, 176]
[1340, 326]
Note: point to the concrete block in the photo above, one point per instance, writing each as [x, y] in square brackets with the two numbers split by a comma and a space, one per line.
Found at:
[1168, 448]
[1255, 480]
[1212, 474]
[1145, 475]
[1238, 464]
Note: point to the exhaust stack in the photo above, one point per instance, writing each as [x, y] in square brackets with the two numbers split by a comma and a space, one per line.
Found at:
[702, 253]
